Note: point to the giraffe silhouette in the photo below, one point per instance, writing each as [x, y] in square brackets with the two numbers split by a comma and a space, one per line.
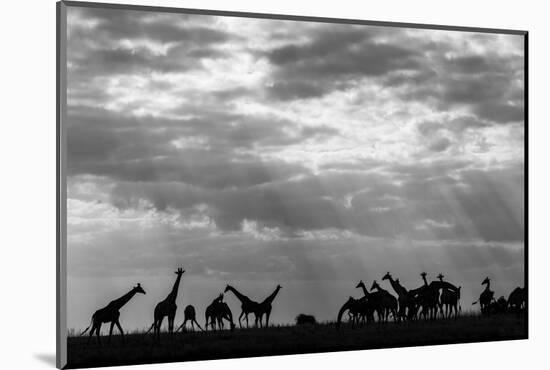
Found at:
[111, 314]
[517, 300]
[218, 311]
[223, 312]
[428, 298]
[210, 312]
[352, 306]
[402, 295]
[388, 302]
[167, 308]
[248, 306]
[265, 307]
[375, 303]
[189, 314]
[449, 300]
[486, 296]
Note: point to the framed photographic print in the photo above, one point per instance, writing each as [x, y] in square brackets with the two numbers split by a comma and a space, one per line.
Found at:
[236, 184]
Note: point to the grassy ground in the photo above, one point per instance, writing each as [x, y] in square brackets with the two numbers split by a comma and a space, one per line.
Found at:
[140, 348]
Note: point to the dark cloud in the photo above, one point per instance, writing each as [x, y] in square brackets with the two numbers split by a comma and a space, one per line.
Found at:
[99, 51]
[332, 59]
[427, 204]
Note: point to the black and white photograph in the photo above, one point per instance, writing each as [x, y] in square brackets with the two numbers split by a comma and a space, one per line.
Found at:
[244, 185]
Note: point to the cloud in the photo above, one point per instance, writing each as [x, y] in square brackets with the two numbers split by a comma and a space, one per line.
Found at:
[264, 150]
[333, 58]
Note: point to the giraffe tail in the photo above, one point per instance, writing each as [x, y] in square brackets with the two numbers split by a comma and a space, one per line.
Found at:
[85, 330]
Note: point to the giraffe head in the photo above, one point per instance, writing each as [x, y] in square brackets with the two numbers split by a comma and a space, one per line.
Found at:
[423, 274]
[278, 287]
[227, 288]
[374, 285]
[387, 276]
[360, 284]
[486, 281]
[440, 276]
[139, 289]
[179, 271]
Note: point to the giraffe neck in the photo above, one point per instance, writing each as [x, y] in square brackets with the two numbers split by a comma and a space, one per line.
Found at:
[379, 289]
[365, 291]
[397, 287]
[174, 293]
[425, 281]
[270, 299]
[240, 296]
[118, 303]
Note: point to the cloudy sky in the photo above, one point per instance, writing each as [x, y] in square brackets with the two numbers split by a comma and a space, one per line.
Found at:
[256, 152]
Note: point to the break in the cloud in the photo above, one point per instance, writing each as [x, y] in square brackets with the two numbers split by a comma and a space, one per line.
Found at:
[258, 150]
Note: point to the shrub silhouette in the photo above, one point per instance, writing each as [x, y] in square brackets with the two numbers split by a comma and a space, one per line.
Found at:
[303, 319]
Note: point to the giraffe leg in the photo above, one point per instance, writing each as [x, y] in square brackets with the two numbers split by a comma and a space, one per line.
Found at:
[111, 331]
[171, 323]
[117, 323]
[240, 317]
[97, 331]
[91, 333]
[159, 325]
[268, 313]
[181, 326]
[197, 324]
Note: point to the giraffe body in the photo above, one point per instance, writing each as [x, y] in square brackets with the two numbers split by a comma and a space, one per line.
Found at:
[248, 306]
[265, 307]
[167, 308]
[110, 314]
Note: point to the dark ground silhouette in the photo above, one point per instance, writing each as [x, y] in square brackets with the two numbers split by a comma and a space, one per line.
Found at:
[283, 340]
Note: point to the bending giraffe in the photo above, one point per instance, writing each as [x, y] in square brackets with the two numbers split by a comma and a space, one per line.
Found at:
[265, 307]
[167, 308]
[216, 312]
[190, 315]
[248, 306]
[223, 312]
[111, 314]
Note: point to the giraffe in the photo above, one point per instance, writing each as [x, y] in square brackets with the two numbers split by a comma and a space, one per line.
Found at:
[248, 306]
[354, 308]
[167, 307]
[375, 303]
[111, 314]
[265, 307]
[189, 315]
[486, 296]
[449, 299]
[221, 312]
[216, 312]
[389, 303]
[517, 300]
[210, 312]
[429, 298]
[402, 295]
